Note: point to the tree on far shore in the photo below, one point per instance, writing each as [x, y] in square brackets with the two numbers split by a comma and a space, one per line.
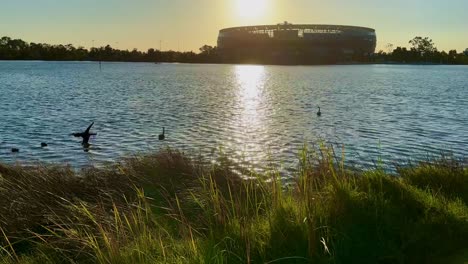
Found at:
[422, 50]
[423, 46]
[17, 49]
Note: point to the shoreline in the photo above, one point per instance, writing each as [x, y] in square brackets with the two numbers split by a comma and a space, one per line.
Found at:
[229, 63]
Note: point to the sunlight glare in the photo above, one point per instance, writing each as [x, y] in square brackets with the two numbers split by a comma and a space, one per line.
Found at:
[251, 80]
[249, 9]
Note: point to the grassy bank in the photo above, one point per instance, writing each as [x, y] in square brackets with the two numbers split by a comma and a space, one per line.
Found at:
[167, 208]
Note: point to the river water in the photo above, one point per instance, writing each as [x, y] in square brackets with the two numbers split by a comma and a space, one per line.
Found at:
[254, 114]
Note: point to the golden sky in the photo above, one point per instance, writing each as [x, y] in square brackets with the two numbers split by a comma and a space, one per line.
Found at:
[189, 24]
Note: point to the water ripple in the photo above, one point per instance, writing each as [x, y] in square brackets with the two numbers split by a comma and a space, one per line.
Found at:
[257, 114]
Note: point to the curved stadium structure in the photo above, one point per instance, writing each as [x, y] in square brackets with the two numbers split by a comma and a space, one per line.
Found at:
[296, 44]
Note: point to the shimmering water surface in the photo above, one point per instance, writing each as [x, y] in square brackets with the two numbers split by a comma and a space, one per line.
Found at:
[254, 113]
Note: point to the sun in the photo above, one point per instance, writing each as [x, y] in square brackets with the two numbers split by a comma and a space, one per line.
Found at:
[251, 9]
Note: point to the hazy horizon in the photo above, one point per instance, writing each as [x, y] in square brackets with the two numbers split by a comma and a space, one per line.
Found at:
[185, 26]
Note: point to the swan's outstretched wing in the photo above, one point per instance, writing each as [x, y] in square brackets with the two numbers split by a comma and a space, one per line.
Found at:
[87, 130]
[77, 134]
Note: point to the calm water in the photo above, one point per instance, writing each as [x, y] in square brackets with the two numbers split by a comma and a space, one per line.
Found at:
[254, 113]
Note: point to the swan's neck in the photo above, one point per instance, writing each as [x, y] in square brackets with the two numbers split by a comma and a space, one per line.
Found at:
[164, 130]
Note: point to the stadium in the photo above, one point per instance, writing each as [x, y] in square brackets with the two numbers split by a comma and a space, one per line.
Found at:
[296, 44]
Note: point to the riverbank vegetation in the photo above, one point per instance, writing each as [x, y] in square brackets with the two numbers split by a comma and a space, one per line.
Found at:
[422, 51]
[169, 208]
[17, 49]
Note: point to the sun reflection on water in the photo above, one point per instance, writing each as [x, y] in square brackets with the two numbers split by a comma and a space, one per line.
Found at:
[251, 82]
[250, 121]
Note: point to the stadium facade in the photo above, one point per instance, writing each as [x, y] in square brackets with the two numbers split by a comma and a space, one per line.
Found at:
[296, 44]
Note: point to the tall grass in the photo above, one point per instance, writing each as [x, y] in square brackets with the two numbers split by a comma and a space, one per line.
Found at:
[168, 208]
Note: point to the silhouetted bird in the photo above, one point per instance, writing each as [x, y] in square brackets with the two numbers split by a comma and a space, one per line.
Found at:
[14, 150]
[162, 136]
[43, 144]
[85, 135]
[319, 113]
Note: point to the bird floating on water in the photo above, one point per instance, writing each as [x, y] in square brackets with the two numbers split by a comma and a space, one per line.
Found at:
[85, 135]
[43, 145]
[14, 150]
[319, 113]
[162, 136]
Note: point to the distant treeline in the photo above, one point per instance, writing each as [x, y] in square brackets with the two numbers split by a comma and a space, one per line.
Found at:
[422, 51]
[17, 49]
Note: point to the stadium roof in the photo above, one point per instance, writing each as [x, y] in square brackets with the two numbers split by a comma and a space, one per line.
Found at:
[287, 26]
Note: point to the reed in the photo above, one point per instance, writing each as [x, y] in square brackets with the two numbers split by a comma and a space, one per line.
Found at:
[169, 208]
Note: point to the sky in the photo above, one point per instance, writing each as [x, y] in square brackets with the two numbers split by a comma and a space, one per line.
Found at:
[186, 25]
